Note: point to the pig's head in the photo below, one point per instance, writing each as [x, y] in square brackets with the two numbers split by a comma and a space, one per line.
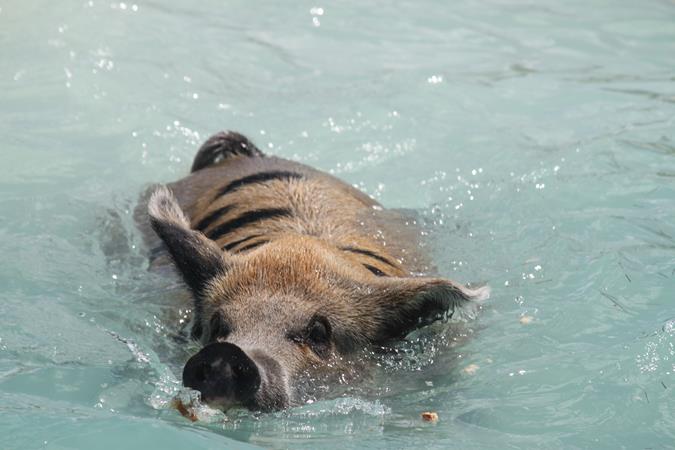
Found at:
[291, 308]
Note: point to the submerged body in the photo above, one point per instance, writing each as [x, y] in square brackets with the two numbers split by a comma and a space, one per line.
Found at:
[291, 270]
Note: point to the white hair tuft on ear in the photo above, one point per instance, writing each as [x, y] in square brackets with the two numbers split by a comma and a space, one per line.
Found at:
[468, 304]
[163, 206]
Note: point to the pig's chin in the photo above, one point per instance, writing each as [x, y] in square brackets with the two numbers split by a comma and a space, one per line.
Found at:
[274, 393]
[266, 400]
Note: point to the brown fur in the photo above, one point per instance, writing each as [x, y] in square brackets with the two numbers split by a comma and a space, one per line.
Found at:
[325, 250]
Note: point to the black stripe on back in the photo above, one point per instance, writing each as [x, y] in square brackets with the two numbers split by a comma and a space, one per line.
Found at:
[246, 218]
[215, 215]
[375, 270]
[258, 178]
[252, 245]
[369, 253]
[232, 245]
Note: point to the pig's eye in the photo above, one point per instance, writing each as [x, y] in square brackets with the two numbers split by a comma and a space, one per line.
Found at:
[317, 336]
[218, 328]
[319, 331]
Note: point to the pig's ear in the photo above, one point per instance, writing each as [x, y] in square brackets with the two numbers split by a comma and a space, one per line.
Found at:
[404, 304]
[197, 258]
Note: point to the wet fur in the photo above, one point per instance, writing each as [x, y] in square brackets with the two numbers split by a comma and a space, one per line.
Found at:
[267, 244]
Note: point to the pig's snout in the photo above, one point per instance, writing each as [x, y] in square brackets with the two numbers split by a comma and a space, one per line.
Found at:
[223, 373]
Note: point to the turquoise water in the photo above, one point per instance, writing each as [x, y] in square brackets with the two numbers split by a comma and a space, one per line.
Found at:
[535, 138]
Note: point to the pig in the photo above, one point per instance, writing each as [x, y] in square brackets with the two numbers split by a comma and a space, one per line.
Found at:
[292, 273]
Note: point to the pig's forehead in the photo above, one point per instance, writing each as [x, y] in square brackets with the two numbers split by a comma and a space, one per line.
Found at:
[281, 284]
[264, 322]
[266, 306]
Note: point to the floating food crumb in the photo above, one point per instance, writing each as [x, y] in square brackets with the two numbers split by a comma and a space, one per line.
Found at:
[429, 416]
[526, 319]
[471, 369]
[184, 410]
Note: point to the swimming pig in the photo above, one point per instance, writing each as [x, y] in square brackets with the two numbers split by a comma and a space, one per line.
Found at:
[291, 270]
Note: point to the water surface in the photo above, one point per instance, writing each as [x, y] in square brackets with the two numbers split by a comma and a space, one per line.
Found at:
[536, 139]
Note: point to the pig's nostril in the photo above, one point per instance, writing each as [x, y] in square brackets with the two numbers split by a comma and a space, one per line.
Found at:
[201, 373]
[243, 371]
[222, 370]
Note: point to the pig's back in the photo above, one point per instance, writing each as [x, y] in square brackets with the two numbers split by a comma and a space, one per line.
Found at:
[245, 200]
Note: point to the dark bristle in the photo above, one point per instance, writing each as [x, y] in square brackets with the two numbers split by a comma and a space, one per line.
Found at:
[369, 253]
[232, 245]
[257, 178]
[212, 217]
[375, 270]
[252, 245]
[247, 218]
